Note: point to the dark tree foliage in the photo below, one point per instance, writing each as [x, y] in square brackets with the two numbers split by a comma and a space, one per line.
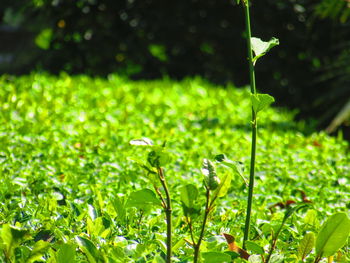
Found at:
[153, 38]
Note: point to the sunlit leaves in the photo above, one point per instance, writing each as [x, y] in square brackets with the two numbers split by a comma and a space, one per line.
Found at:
[142, 142]
[66, 253]
[48, 155]
[210, 178]
[43, 39]
[254, 248]
[224, 186]
[158, 157]
[88, 248]
[38, 251]
[306, 245]
[217, 257]
[333, 235]
[12, 237]
[235, 166]
[142, 198]
[189, 195]
[261, 101]
[260, 47]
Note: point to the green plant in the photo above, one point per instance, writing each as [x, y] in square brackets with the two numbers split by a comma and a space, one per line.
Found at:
[332, 236]
[157, 158]
[289, 212]
[72, 189]
[215, 187]
[259, 102]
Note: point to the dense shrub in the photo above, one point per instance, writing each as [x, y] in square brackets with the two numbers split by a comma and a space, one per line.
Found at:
[149, 39]
[69, 176]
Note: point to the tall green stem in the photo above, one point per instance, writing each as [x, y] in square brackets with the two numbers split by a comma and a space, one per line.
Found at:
[201, 235]
[168, 211]
[249, 47]
[254, 124]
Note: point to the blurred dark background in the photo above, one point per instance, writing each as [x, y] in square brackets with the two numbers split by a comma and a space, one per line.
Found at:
[310, 70]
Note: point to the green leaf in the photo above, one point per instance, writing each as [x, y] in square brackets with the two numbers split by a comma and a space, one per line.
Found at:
[12, 237]
[39, 249]
[158, 259]
[92, 212]
[333, 235]
[147, 167]
[291, 210]
[261, 101]
[236, 166]
[66, 253]
[311, 218]
[142, 142]
[224, 185]
[277, 258]
[260, 47]
[119, 205]
[306, 245]
[255, 259]
[97, 228]
[142, 198]
[255, 248]
[210, 178]
[44, 38]
[158, 51]
[188, 194]
[217, 257]
[159, 157]
[88, 248]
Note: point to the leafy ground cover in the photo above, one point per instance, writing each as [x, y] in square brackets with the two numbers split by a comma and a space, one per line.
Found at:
[72, 189]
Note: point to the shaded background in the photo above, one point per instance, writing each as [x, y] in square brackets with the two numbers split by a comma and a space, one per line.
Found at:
[310, 70]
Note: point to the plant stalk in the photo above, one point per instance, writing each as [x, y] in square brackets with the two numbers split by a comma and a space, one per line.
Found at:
[206, 213]
[254, 124]
[168, 211]
[273, 244]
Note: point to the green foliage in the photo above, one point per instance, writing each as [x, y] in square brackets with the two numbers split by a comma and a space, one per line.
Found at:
[254, 248]
[44, 38]
[66, 253]
[143, 198]
[235, 166]
[337, 10]
[210, 178]
[261, 101]
[198, 41]
[89, 249]
[218, 257]
[333, 235]
[68, 173]
[158, 51]
[260, 47]
[11, 239]
[188, 196]
[306, 245]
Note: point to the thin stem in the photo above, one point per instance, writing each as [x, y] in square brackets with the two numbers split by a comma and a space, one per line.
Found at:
[168, 211]
[254, 125]
[191, 230]
[160, 196]
[201, 235]
[274, 240]
[317, 259]
[249, 47]
[273, 246]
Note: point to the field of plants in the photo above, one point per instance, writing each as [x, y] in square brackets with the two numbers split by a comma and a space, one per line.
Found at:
[80, 159]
